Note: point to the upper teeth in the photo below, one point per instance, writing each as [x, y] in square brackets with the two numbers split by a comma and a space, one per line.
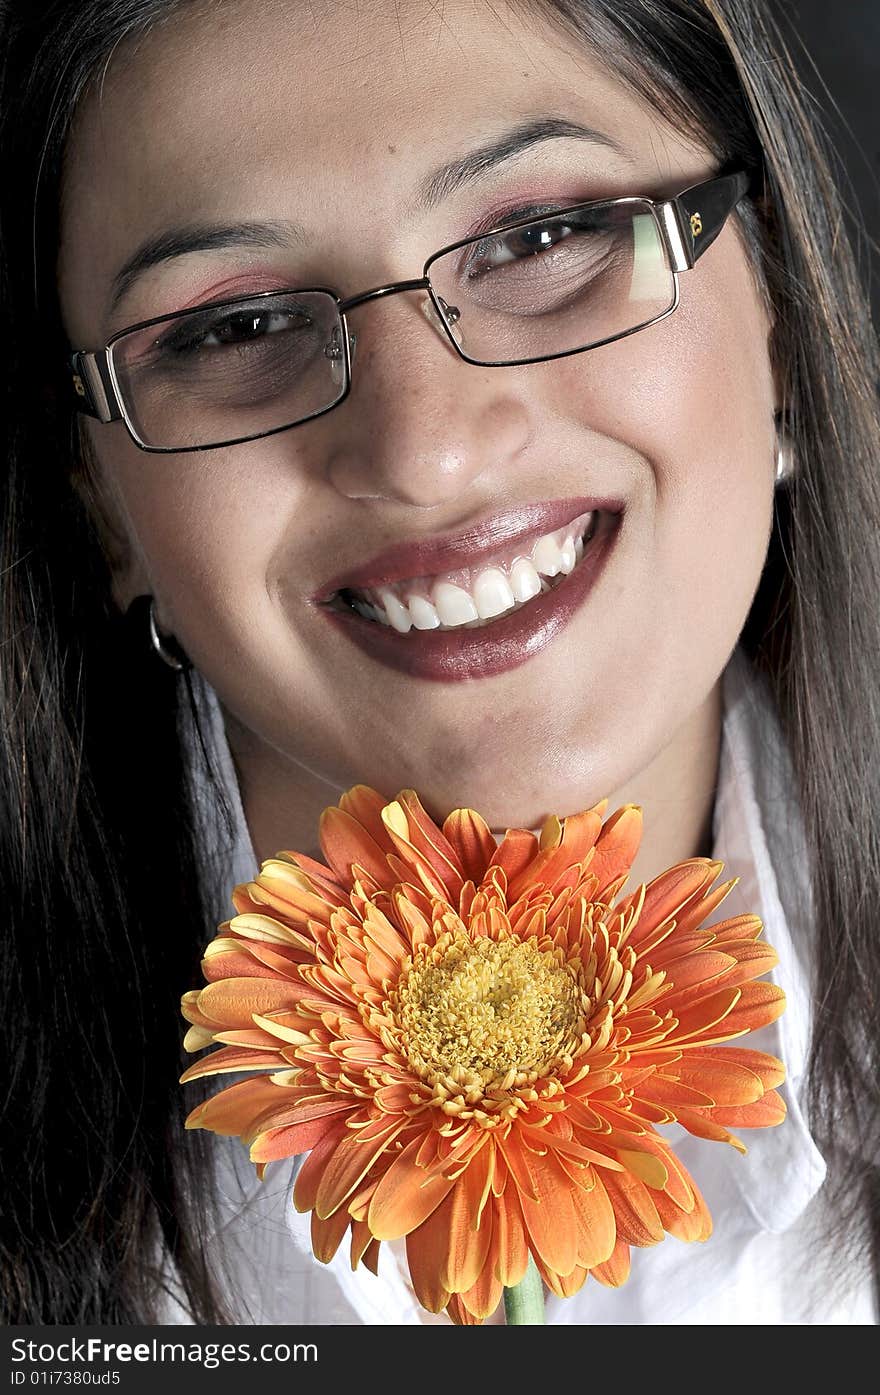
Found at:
[473, 596]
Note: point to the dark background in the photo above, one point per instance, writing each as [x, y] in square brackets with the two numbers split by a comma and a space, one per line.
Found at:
[842, 38]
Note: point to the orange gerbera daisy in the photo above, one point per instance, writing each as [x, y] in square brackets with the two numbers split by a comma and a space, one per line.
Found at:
[473, 1043]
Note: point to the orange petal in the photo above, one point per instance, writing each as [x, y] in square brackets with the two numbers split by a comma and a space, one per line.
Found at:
[371, 1257]
[365, 805]
[327, 1235]
[679, 1186]
[308, 1179]
[616, 846]
[726, 1081]
[646, 1166]
[230, 1111]
[703, 1126]
[233, 1001]
[564, 845]
[380, 931]
[252, 924]
[345, 841]
[318, 875]
[471, 838]
[232, 1058]
[360, 1241]
[426, 1249]
[197, 1038]
[758, 1005]
[459, 1314]
[292, 1139]
[189, 1007]
[552, 1220]
[581, 832]
[515, 1157]
[668, 893]
[234, 963]
[737, 930]
[509, 1241]
[769, 1069]
[483, 1297]
[755, 958]
[695, 1224]
[694, 976]
[405, 1195]
[595, 1221]
[290, 895]
[667, 1097]
[516, 850]
[636, 1216]
[350, 1162]
[563, 1285]
[699, 910]
[467, 1245]
[708, 1020]
[432, 843]
[760, 1114]
[411, 859]
[300, 1104]
[615, 1270]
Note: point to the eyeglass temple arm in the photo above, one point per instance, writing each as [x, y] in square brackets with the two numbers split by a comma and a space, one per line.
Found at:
[703, 210]
[93, 386]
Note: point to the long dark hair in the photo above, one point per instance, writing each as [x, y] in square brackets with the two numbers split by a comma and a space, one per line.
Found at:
[107, 900]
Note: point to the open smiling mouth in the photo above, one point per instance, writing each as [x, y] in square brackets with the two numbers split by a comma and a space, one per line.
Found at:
[483, 619]
[477, 596]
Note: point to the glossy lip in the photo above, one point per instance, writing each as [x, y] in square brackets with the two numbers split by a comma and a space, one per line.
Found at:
[485, 538]
[511, 640]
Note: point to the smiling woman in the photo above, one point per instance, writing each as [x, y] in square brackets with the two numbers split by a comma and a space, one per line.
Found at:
[477, 402]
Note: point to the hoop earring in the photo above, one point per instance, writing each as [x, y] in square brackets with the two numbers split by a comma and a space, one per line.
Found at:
[785, 459]
[166, 647]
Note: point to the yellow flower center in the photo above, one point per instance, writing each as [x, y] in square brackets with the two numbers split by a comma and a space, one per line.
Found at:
[487, 1013]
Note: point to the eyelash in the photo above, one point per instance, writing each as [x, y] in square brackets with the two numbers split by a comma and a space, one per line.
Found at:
[512, 215]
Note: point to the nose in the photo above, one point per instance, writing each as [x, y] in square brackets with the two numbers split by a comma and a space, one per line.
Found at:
[420, 424]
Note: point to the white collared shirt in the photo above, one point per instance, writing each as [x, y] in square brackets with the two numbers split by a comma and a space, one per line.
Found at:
[764, 1262]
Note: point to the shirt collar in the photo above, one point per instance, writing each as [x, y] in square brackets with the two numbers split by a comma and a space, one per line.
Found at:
[758, 835]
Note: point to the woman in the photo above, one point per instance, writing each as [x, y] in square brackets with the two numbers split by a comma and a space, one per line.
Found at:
[565, 568]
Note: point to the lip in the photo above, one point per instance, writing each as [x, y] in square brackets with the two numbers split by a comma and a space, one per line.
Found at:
[434, 556]
[505, 644]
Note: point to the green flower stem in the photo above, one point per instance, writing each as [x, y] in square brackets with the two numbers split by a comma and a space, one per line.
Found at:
[524, 1303]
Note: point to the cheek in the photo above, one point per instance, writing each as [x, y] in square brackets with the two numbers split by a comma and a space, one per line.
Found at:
[205, 528]
[691, 401]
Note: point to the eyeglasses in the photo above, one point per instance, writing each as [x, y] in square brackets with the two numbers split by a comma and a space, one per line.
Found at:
[538, 288]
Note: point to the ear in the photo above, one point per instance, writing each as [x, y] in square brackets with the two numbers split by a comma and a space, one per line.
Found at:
[128, 575]
[773, 338]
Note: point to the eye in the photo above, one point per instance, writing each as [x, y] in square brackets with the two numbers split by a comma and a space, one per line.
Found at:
[524, 242]
[232, 329]
[247, 326]
[536, 241]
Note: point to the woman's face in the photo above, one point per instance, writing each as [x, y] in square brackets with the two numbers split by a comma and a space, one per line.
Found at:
[333, 117]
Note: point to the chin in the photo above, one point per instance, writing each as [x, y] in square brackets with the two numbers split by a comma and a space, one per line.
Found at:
[510, 792]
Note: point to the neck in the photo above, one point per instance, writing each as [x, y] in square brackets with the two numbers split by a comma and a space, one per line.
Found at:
[282, 802]
[677, 794]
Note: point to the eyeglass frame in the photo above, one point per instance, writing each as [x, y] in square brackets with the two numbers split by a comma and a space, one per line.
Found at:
[688, 224]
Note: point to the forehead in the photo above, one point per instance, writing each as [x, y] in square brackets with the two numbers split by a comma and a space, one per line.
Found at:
[322, 113]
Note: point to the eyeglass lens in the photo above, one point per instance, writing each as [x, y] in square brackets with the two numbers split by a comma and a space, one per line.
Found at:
[559, 283]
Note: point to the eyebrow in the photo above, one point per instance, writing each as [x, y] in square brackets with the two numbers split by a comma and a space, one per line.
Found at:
[201, 237]
[440, 184]
[448, 179]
